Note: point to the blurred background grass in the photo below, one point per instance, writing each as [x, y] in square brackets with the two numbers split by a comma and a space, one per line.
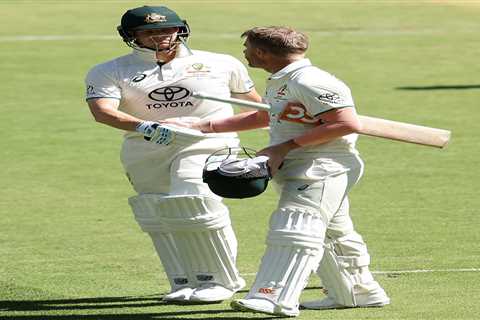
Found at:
[69, 246]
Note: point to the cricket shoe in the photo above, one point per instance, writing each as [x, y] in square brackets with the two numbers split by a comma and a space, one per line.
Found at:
[263, 306]
[376, 298]
[211, 292]
[179, 296]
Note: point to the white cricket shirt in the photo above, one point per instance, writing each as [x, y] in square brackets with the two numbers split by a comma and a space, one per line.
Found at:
[318, 91]
[151, 92]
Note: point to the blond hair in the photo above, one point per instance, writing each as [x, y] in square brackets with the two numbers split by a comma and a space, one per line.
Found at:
[277, 40]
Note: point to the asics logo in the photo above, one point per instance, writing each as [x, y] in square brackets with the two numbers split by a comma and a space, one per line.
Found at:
[303, 187]
[267, 290]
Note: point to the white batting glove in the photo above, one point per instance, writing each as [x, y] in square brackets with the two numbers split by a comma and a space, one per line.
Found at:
[153, 132]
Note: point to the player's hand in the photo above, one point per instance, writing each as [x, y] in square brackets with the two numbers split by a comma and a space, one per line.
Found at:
[277, 154]
[154, 132]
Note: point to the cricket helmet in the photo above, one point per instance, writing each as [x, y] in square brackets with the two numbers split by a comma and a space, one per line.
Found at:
[236, 173]
[148, 18]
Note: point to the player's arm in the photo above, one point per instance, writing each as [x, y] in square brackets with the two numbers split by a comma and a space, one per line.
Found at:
[249, 96]
[252, 95]
[240, 81]
[105, 110]
[334, 123]
[243, 121]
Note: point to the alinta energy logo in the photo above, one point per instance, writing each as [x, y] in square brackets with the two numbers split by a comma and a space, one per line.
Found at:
[169, 97]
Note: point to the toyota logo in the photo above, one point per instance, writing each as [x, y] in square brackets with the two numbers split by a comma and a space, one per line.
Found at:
[169, 94]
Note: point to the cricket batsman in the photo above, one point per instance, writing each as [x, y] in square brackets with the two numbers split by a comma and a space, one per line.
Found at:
[189, 225]
[314, 163]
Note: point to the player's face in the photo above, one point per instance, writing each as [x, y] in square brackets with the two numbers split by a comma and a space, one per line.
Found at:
[251, 54]
[157, 38]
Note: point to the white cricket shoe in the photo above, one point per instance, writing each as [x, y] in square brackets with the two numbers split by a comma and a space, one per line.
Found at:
[211, 292]
[263, 306]
[180, 295]
[375, 298]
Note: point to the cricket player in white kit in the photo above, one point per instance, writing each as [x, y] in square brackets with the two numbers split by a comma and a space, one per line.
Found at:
[189, 226]
[314, 163]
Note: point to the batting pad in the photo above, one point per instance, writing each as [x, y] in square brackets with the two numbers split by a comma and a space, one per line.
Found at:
[294, 249]
[201, 230]
[342, 275]
[144, 209]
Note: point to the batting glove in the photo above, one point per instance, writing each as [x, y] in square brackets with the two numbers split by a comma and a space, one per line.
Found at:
[154, 132]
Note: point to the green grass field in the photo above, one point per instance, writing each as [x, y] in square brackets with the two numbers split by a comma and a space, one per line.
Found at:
[69, 246]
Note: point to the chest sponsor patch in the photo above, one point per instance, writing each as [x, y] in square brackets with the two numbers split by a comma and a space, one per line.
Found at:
[297, 113]
[169, 97]
[169, 94]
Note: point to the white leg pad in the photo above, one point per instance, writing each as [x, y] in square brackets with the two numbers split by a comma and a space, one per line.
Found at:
[201, 231]
[346, 276]
[294, 249]
[145, 209]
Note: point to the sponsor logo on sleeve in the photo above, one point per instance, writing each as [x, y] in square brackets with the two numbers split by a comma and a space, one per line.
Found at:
[329, 97]
[90, 90]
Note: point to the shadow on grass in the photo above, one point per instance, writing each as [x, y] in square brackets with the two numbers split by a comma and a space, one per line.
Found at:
[81, 304]
[54, 306]
[441, 87]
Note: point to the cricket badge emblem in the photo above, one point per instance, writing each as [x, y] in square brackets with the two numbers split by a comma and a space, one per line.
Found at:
[281, 92]
[155, 17]
[198, 69]
[197, 66]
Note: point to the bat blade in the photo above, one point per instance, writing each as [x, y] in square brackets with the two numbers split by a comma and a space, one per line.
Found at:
[405, 132]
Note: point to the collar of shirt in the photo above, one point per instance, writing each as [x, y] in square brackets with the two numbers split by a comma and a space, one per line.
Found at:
[291, 67]
[149, 55]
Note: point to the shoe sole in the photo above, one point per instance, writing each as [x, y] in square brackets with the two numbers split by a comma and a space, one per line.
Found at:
[240, 307]
[193, 297]
[196, 300]
[243, 308]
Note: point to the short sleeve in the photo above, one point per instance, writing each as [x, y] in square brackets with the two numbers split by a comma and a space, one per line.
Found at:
[240, 81]
[101, 84]
[318, 98]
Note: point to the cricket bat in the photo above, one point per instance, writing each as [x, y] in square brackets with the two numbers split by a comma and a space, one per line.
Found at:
[371, 126]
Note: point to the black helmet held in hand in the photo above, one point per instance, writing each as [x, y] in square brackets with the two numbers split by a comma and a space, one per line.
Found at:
[236, 173]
